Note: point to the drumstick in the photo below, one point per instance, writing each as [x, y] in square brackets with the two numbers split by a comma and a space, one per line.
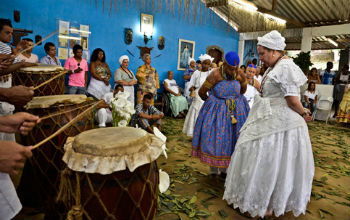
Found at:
[78, 117]
[49, 80]
[39, 42]
[63, 112]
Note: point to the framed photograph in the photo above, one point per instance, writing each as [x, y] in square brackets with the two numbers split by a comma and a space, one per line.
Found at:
[63, 27]
[85, 43]
[146, 24]
[186, 50]
[73, 42]
[62, 42]
[62, 53]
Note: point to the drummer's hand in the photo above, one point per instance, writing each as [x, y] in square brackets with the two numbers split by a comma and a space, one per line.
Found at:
[19, 95]
[13, 156]
[21, 122]
[22, 45]
[5, 61]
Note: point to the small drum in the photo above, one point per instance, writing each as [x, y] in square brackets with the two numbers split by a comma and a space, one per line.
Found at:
[115, 175]
[36, 75]
[40, 180]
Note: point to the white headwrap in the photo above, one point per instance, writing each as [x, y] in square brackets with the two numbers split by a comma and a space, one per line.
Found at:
[190, 59]
[272, 40]
[203, 57]
[122, 58]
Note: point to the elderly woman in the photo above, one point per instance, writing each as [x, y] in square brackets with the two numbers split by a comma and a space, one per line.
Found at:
[148, 80]
[178, 103]
[100, 74]
[187, 76]
[125, 77]
[196, 82]
[221, 116]
[272, 168]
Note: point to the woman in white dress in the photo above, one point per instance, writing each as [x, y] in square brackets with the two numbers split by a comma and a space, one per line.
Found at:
[272, 168]
[125, 77]
[197, 79]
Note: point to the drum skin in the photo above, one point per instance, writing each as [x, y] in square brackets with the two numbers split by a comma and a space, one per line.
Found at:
[39, 183]
[122, 195]
[55, 87]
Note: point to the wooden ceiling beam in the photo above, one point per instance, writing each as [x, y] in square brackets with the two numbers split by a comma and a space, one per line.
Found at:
[289, 20]
[274, 5]
[217, 3]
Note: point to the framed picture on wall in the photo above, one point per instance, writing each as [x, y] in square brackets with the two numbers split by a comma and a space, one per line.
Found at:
[186, 50]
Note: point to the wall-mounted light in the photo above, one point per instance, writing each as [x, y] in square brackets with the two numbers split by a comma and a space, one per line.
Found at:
[69, 37]
[146, 26]
[75, 30]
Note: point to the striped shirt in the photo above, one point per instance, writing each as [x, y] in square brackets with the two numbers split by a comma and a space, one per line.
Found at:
[4, 48]
[5, 80]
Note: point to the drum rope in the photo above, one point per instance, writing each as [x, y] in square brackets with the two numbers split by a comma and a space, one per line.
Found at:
[49, 80]
[74, 120]
[64, 112]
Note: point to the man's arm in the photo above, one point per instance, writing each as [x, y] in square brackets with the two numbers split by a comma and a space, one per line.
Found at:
[16, 95]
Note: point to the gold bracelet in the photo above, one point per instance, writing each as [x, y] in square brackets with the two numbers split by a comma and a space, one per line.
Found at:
[207, 84]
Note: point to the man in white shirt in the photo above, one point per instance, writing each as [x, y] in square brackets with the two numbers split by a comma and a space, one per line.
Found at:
[178, 103]
[104, 114]
[28, 56]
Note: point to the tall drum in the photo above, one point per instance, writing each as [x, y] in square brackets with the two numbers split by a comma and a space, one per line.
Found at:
[115, 174]
[36, 75]
[40, 180]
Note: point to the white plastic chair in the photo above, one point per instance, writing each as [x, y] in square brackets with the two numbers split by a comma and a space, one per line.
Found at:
[323, 109]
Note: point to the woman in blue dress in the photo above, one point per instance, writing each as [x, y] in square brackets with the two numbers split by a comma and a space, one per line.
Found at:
[222, 115]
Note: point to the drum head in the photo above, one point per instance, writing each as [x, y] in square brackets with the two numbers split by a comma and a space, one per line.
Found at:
[113, 141]
[42, 68]
[47, 101]
[106, 150]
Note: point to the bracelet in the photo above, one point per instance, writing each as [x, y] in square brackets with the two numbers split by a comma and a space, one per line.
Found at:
[304, 113]
[207, 84]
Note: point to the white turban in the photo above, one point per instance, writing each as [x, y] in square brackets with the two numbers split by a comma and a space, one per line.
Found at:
[122, 58]
[190, 59]
[272, 40]
[203, 57]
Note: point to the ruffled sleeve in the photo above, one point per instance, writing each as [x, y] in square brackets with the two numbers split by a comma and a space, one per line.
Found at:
[289, 76]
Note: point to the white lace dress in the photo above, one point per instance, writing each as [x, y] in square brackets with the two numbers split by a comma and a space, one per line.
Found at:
[272, 167]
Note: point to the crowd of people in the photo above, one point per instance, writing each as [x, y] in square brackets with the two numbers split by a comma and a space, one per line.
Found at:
[247, 122]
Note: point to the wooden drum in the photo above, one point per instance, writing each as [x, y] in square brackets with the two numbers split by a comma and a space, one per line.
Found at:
[36, 75]
[114, 174]
[40, 180]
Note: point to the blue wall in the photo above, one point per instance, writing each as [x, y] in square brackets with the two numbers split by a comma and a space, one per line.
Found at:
[107, 29]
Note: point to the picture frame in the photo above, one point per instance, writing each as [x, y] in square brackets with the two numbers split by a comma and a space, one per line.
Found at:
[146, 24]
[186, 50]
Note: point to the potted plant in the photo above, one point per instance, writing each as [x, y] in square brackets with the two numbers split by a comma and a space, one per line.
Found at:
[303, 60]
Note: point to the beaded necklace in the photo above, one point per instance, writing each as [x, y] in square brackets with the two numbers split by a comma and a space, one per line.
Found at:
[263, 81]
